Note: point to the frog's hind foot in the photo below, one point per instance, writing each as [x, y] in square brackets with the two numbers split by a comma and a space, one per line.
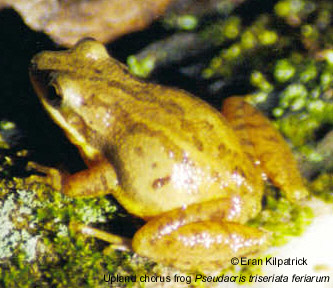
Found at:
[117, 242]
[201, 246]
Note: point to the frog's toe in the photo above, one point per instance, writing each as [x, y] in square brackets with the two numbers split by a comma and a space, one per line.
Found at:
[50, 176]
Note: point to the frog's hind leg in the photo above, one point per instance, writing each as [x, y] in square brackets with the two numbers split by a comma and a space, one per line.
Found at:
[263, 143]
[202, 237]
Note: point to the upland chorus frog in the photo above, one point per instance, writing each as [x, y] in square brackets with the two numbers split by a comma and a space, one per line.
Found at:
[168, 157]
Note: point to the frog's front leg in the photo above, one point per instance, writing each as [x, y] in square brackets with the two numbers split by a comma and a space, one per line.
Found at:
[97, 180]
[201, 237]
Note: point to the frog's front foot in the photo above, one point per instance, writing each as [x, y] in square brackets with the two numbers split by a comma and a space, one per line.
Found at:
[51, 176]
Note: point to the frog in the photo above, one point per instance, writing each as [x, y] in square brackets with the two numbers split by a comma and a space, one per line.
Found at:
[193, 174]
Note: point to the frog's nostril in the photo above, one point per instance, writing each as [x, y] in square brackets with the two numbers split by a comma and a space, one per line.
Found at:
[33, 67]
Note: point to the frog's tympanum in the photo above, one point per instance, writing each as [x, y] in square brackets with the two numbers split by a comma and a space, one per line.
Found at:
[166, 156]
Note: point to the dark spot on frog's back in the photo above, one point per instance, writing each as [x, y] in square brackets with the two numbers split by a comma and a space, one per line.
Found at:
[224, 151]
[168, 243]
[198, 144]
[98, 71]
[160, 182]
[154, 165]
[221, 148]
[138, 151]
[239, 171]
[216, 176]
[173, 108]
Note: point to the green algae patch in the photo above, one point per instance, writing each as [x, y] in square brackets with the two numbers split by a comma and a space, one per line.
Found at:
[39, 250]
[283, 218]
[322, 187]
[141, 68]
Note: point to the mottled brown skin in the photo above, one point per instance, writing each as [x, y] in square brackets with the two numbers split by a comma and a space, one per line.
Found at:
[165, 155]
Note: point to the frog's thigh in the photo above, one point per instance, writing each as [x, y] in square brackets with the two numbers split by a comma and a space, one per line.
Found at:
[97, 180]
[201, 245]
[263, 143]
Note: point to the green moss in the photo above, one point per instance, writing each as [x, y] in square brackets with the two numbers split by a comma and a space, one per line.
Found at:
[284, 70]
[283, 218]
[185, 22]
[260, 81]
[37, 248]
[246, 43]
[141, 68]
[322, 187]
[7, 129]
[231, 27]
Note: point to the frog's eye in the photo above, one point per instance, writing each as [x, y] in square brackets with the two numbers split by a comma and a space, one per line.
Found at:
[46, 86]
[53, 95]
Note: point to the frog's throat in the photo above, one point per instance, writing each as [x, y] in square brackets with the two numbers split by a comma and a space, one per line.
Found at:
[73, 135]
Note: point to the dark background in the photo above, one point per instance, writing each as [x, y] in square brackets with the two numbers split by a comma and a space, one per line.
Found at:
[35, 131]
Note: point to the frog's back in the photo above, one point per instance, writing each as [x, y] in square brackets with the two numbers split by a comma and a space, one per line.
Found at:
[173, 149]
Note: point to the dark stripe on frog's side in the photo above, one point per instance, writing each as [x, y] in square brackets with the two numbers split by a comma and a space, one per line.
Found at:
[168, 105]
[270, 138]
[248, 125]
[246, 142]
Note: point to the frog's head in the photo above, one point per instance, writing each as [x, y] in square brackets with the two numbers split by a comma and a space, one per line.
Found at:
[66, 83]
